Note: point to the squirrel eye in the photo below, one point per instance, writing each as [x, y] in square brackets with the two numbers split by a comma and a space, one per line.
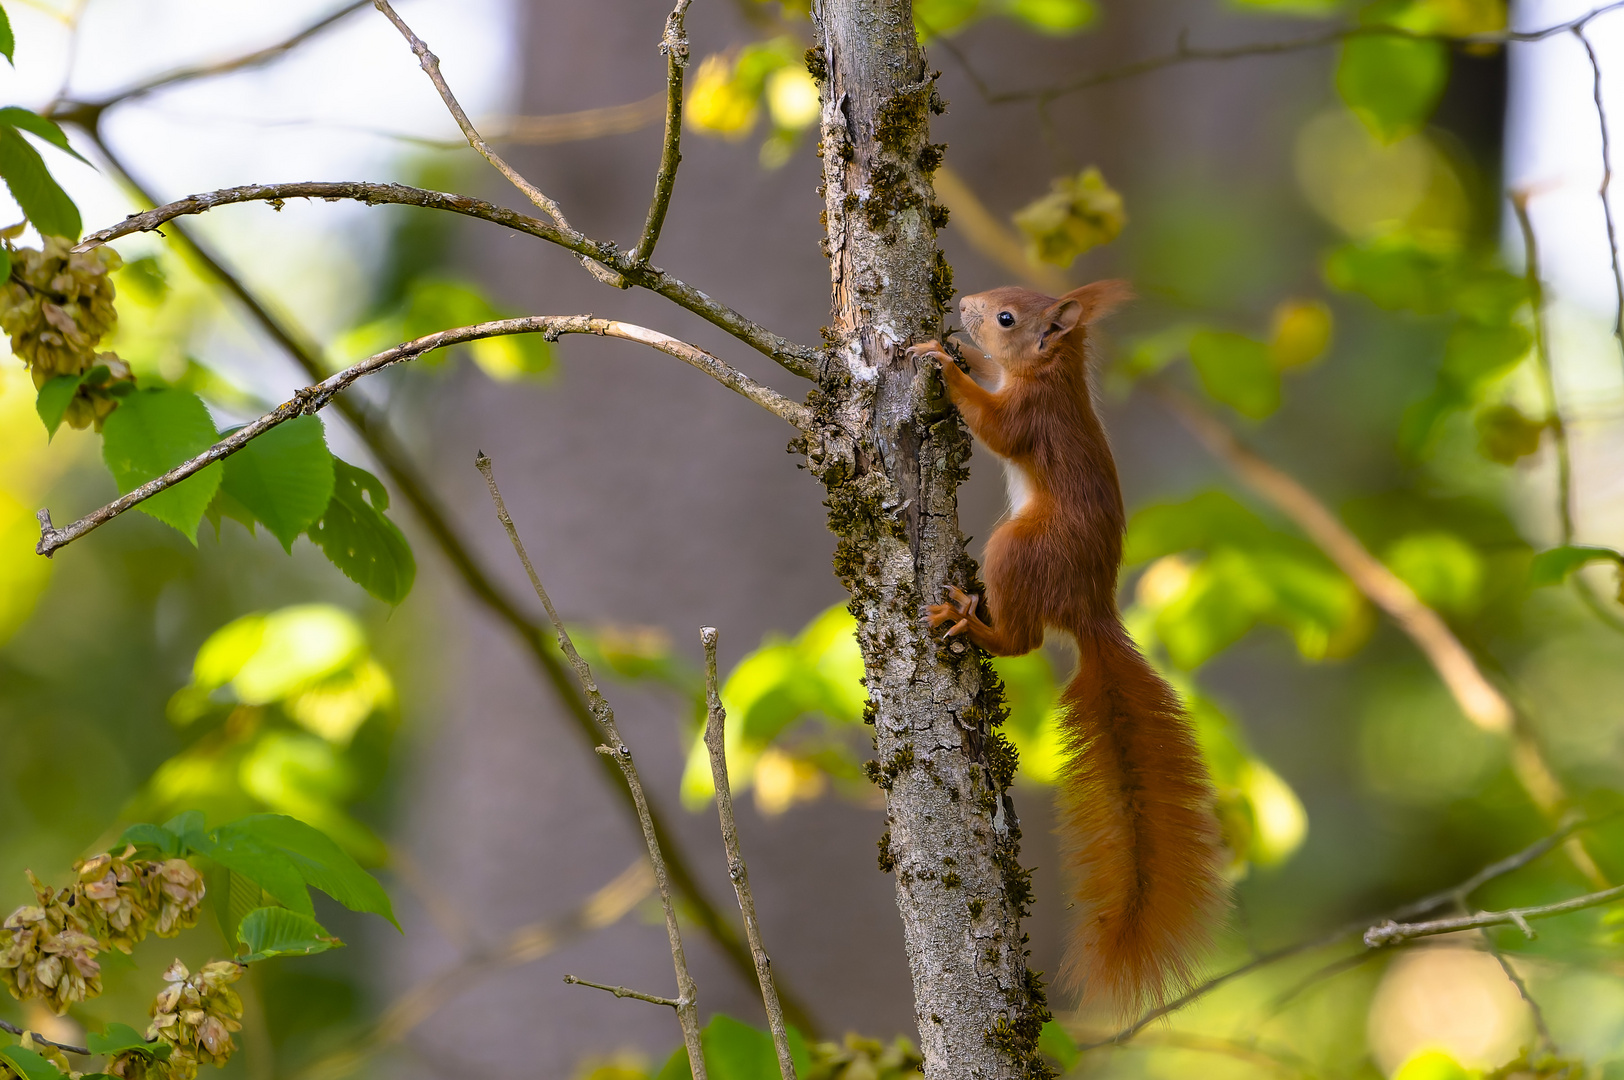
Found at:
[1005, 319]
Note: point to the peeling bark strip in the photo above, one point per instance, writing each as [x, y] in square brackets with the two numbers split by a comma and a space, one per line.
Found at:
[891, 453]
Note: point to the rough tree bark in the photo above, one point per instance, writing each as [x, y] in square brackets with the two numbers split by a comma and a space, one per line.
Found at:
[891, 452]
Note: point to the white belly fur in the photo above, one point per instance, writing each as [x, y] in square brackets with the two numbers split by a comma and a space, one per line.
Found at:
[1019, 486]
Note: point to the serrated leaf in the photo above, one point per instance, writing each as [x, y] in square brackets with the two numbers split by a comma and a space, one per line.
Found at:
[28, 1064]
[167, 844]
[284, 478]
[8, 40]
[35, 124]
[150, 433]
[55, 396]
[272, 931]
[1392, 83]
[358, 539]
[320, 862]
[1237, 371]
[235, 896]
[42, 199]
[1553, 567]
[121, 1037]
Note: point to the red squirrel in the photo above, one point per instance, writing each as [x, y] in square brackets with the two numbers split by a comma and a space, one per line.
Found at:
[1138, 836]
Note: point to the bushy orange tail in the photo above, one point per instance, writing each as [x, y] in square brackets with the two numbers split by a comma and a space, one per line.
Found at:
[1138, 836]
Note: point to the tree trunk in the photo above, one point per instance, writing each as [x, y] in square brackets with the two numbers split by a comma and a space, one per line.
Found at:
[891, 452]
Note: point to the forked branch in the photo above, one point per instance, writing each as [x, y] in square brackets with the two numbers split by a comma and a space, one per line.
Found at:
[311, 399]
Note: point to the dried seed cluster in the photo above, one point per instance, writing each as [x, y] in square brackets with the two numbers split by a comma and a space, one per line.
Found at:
[48, 949]
[57, 305]
[196, 1015]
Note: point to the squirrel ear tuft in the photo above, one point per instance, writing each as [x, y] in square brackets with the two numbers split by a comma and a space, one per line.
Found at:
[1100, 298]
[1063, 316]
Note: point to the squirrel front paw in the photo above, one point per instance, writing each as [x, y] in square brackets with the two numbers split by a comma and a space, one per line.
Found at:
[932, 349]
[960, 610]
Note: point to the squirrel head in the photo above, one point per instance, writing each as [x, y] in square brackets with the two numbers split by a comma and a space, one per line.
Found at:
[1022, 331]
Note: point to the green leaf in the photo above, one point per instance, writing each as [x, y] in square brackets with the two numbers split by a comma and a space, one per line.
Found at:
[261, 864]
[272, 931]
[320, 862]
[28, 1064]
[1553, 567]
[121, 1037]
[8, 40]
[1392, 83]
[234, 897]
[55, 396]
[42, 199]
[359, 540]
[1237, 371]
[35, 124]
[188, 825]
[150, 433]
[1055, 1042]
[736, 1051]
[167, 844]
[284, 477]
[1444, 570]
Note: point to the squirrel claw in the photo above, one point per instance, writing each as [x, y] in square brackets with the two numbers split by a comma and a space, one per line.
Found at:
[959, 611]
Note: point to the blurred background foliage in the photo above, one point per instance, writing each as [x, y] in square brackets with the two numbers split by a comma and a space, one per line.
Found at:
[1380, 340]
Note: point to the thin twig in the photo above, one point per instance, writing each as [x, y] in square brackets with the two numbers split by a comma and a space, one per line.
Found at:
[1554, 419]
[310, 399]
[1606, 178]
[1392, 933]
[1186, 53]
[431, 67]
[799, 359]
[616, 749]
[42, 1040]
[375, 433]
[716, 744]
[1455, 894]
[674, 44]
[1541, 1029]
[624, 992]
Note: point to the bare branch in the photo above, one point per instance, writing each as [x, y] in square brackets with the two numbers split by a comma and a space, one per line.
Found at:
[716, 744]
[616, 750]
[1606, 176]
[1185, 53]
[1541, 1028]
[1456, 894]
[674, 44]
[623, 992]
[70, 1048]
[310, 399]
[431, 67]
[799, 359]
[1393, 933]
